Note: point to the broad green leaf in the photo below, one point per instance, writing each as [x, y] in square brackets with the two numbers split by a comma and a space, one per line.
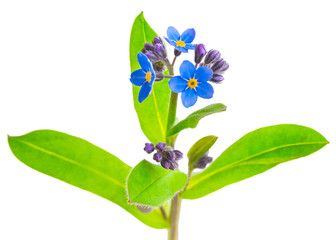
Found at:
[82, 164]
[152, 185]
[153, 111]
[192, 120]
[255, 153]
[199, 149]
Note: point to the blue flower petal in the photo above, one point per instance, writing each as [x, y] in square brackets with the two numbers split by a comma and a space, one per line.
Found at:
[187, 70]
[204, 90]
[181, 49]
[173, 34]
[145, 90]
[203, 74]
[189, 97]
[171, 42]
[138, 77]
[177, 84]
[144, 62]
[188, 35]
[190, 46]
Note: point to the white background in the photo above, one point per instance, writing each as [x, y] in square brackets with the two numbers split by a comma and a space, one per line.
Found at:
[64, 66]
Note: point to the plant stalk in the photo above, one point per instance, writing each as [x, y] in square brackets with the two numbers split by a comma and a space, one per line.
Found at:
[175, 203]
[174, 217]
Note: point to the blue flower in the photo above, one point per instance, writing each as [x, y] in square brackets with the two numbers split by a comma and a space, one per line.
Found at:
[143, 77]
[181, 42]
[192, 83]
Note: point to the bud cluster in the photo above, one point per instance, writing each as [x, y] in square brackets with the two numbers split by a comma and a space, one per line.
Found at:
[157, 54]
[165, 155]
[213, 60]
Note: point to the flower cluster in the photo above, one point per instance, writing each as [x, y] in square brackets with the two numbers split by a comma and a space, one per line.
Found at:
[165, 155]
[193, 82]
[157, 54]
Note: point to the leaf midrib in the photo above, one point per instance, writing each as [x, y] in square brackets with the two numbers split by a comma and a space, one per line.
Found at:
[192, 184]
[149, 185]
[72, 162]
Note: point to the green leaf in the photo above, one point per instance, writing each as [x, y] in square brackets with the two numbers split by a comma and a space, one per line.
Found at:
[152, 185]
[153, 111]
[255, 153]
[192, 120]
[199, 149]
[82, 164]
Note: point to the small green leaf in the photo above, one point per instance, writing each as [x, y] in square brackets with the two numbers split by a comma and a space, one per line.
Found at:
[199, 149]
[153, 111]
[82, 164]
[255, 153]
[192, 120]
[152, 185]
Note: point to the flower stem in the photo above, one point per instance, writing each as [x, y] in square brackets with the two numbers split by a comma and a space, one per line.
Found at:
[174, 217]
[172, 104]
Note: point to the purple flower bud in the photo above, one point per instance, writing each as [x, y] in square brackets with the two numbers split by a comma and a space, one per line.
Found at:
[178, 155]
[200, 52]
[161, 146]
[149, 47]
[219, 66]
[217, 78]
[149, 147]
[152, 57]
[157, 40]
[211, 56]
[143, 51]
[170, 155]
[157, 157]
[160, 50]
[173, 165]
[203, 161]
[159, 76]
[177, 52]
[165, 163]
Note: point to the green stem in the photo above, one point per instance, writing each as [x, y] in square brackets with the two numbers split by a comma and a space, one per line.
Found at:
[175, 203]
[172, 103]
[174, 217]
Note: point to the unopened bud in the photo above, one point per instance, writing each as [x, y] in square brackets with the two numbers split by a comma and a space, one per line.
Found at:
[173, 165]
[152, 57]
[200, 52]
[149, 147]
[212, 56]
[157, 157]
[144, 209]
[177, 52]
[160, 50]
[178, 155]
[157, 40]
[165, 163]
[203, 161]
[159, 76]
[170, 155]
[219, 66]
[149, 47]
[161, 146]
[217, 78]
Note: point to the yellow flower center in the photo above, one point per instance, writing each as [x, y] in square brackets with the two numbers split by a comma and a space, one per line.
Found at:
[192, 83]
[148, 76]
[180, 43]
